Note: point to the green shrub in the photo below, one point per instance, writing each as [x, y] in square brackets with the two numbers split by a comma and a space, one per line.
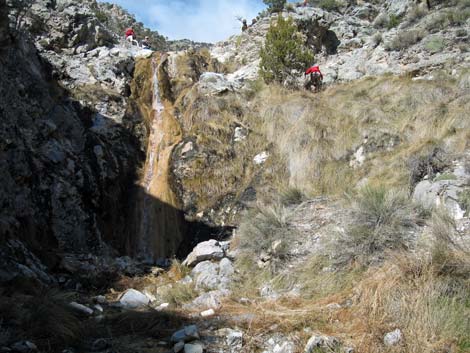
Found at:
[101, 16]
[464, 201]
[329, 5]
[445, 176]
[283, 52]
[290, 8]
[393, 21]
[253, 88]
[275, 5]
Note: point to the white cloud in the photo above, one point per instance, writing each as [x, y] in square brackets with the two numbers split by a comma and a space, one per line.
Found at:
[198, 20]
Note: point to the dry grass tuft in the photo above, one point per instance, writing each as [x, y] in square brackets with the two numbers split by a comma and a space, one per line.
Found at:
[179, 294]
[261, 227]
[45, 318]
[382, 220]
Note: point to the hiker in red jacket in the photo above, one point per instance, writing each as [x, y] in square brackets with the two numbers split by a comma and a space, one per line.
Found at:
[130, 35]
[316, 78]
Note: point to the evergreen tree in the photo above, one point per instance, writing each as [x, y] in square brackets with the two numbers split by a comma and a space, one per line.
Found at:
[275, 5]
[284, 52]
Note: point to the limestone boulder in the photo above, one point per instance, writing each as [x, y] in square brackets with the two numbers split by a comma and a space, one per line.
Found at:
[207, 250]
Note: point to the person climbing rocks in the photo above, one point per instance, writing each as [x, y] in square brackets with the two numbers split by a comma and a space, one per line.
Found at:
[130, 36]
[244, 26]
[146, 43]
[253, 21]
[316, 78]
[305, 3]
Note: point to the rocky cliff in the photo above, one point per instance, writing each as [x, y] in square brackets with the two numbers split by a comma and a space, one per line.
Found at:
[69, 149]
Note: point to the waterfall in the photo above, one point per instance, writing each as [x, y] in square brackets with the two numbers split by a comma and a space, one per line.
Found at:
[161, 226]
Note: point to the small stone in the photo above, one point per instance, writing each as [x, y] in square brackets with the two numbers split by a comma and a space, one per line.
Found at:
[261, 158]
[193, 348]
[208, 313]
[187, 334]
[98, 308]
[162, 306]
[276, 247]
[178, 347]
[133, 299]
[393, 338]
[99, 318]
[186, 280]
[235, 339]
[100, 299]
[99, 345]
[333, 306]
[82, 309]
[24, 346]
[317, 341]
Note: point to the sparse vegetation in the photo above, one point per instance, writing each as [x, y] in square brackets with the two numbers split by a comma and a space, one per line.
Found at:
[435, 44]
[101, 16]
[393, 21]
[446, 18]
[179, 294]
[330, 5]
[275, 5]
[382, 219]
[445, 176]
[405, 40]
[262, 227]
[291, 196]
[415, 14]
[283, 52]
[44, 317]
[464, 201]
[377, 39]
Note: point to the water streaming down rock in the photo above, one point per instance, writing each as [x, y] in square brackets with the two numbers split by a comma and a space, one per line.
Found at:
[161, 226]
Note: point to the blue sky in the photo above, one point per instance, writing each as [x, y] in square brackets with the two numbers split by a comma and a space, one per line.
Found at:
[199, 20]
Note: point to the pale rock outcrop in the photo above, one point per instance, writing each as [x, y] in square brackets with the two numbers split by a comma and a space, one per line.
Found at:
[347, 46]
[210, 275]
[207, 250]
[445, 191]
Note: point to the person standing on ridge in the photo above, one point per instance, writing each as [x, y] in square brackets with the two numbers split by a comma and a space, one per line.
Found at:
[244, 26]
[130, 35]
